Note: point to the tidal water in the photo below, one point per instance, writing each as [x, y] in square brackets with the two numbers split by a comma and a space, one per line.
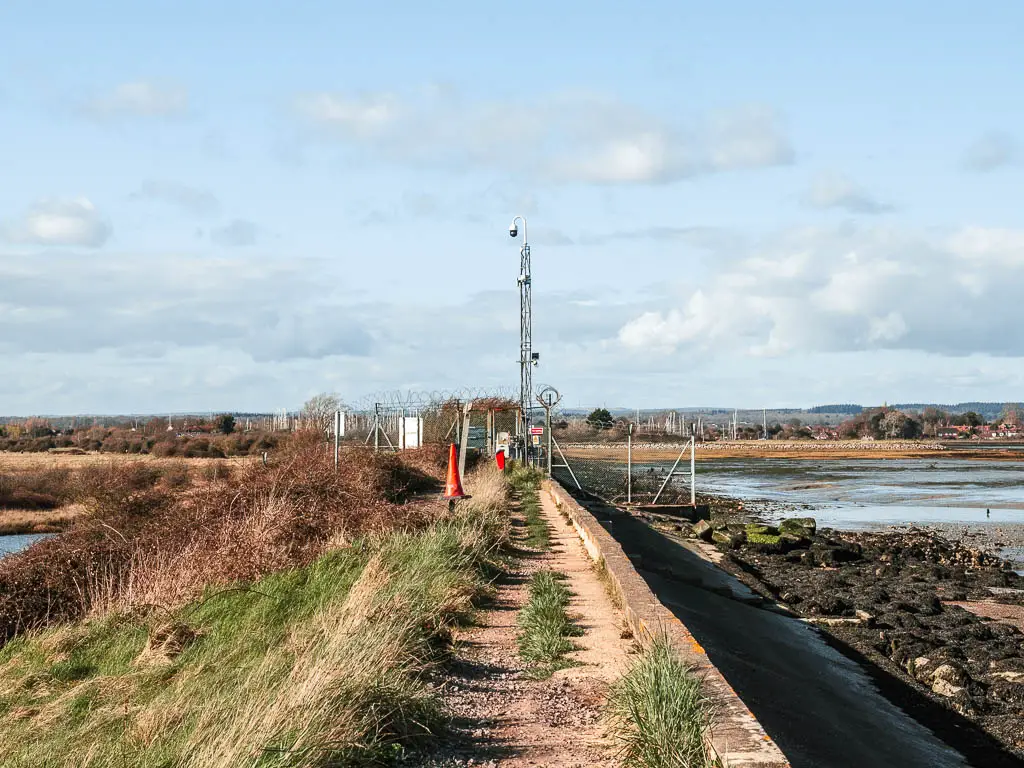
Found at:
[859, 492]
[11, 544]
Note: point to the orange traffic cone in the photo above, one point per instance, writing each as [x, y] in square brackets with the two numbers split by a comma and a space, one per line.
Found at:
[453, 486]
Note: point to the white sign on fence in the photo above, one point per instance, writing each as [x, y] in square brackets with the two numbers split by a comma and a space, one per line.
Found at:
[502, 441]
[410, 432]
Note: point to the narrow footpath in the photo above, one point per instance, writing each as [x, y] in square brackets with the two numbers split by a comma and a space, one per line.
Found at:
[503, 716]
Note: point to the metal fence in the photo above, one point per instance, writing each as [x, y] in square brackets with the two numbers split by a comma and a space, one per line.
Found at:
[630, 472]
[472, 419]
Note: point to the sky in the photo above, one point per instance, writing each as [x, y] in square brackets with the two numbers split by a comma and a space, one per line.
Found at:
[233, 206]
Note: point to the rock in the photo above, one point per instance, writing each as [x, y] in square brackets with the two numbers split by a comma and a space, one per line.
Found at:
[943, 688]
[950, 673]
[703, 530]
[929, 605]
[921, 669]
[828, 605]
[1008, 692]
[1012, 677]
[796, 555]
[728, 538]
[804, 527]
[792, 540]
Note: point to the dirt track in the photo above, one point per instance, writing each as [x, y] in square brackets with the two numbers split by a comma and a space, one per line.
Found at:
[505, 717]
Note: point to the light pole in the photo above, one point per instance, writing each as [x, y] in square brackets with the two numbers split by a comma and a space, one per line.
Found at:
[527, 359]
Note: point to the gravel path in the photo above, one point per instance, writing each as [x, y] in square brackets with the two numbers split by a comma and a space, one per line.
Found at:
[503, 717]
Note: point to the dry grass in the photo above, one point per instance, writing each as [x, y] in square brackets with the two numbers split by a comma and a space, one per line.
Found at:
[19, 462]
[15, 521]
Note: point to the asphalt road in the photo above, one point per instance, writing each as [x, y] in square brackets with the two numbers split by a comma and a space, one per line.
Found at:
[822, 708]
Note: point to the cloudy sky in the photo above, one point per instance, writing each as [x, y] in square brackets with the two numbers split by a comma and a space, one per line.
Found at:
[228, 205]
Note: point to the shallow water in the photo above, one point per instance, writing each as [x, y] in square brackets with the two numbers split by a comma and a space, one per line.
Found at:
[871, 493]
[916, 484]
[854, 516]
[11, 544]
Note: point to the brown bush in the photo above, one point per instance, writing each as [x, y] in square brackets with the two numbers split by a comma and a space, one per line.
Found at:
[141, 544]
[41, 489]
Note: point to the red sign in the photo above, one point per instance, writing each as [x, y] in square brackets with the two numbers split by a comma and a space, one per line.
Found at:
[536, 430]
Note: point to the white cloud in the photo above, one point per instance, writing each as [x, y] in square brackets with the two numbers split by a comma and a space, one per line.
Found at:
[146, 306]
[141, 98]
[565, 138]
[363, 117]
[59, 222]
[996, 150]
[191, 200]
[749, 137]
[238, 233]
[831, 190]
[852, 289]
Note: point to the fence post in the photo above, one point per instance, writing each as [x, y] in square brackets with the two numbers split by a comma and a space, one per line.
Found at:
[464, 442]
[693, 471]
[337, 437]
[629, 464]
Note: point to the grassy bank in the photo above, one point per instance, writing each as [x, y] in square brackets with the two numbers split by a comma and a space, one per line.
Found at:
[313, 665]
[659, 713]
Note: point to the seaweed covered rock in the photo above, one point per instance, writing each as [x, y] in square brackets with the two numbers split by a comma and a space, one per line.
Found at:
[799, 527]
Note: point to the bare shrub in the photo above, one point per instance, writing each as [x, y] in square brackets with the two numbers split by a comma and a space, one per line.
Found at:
[146, 540]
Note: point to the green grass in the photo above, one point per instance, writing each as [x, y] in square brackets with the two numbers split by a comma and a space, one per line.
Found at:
[525, 482]
[546, 627]
[314, 666]
[659, 713]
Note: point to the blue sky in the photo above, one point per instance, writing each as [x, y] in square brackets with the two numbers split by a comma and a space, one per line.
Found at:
[236, 205]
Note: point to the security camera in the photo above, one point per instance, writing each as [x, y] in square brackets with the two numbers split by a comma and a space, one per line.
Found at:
[513, 231]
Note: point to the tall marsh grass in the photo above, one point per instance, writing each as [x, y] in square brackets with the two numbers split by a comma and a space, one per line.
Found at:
[659, 713]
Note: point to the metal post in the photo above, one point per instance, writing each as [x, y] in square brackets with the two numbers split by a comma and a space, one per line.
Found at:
[337, 437]
[693, 472]
[464, 441]
[629, 464]
[376, 427]
[547, 424]
[490, 433]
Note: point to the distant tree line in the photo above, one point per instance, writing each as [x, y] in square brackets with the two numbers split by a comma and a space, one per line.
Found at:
[841, 408]
[212, 438]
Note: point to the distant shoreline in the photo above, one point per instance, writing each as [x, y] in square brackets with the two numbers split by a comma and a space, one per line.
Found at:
[791, 449]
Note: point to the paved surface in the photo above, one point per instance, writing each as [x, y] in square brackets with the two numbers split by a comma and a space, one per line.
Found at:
[819, 706]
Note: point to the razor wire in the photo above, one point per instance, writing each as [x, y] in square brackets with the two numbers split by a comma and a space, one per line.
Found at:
[396, 398]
